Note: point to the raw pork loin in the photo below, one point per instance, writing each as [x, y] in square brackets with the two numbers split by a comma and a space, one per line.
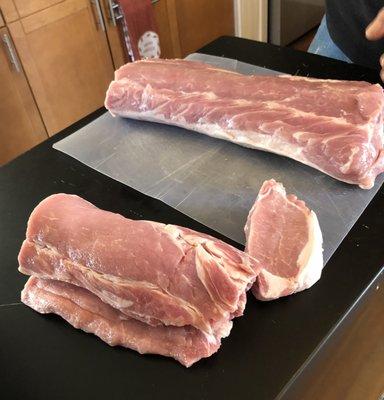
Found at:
[285, 236]
[334, 126]
[158, 275]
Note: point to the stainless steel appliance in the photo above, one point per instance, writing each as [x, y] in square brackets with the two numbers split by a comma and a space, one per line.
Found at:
[290, 19]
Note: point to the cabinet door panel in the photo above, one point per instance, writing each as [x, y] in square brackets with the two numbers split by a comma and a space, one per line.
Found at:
[27, 7]
[51, 15]
[113, 32]
[165, 16]
[21, 127]
[201, 21]
[8, 10]
[66, 57]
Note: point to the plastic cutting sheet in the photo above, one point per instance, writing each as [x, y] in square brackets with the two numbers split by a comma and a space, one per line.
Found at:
[211, 180]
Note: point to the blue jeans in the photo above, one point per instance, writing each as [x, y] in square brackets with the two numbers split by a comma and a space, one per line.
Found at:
[323, 45]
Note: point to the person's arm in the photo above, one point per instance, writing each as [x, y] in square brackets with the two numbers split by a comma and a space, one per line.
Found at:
[375, 31]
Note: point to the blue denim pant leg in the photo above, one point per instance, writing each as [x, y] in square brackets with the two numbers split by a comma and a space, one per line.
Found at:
[323, 45]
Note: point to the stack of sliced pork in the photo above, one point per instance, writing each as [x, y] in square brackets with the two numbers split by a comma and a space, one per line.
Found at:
[159, 288]
[148, 286]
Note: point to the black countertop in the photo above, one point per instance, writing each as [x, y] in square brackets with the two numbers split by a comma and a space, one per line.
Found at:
[41, 357]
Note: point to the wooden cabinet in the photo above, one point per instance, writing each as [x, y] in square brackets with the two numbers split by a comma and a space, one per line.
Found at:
[8, 10]
[69, 49]
[114, 35]
[25, 8]
[64, 50]
[166, 21]
[21, 126]
[186, 25]
[201, 21]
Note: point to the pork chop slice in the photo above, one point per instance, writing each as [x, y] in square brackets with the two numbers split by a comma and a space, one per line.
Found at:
[285, 236]
[83, 310]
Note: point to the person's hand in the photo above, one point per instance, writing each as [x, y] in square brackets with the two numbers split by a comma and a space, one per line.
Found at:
[375, 31]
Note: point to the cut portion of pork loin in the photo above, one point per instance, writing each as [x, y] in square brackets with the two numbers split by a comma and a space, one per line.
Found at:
[85, 311]
[334, 126]
[160, 275]
[285, 236]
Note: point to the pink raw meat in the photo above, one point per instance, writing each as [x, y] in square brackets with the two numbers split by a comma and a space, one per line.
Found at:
[284, 235]
[333, 126]
[85, 311]
[160, 275]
